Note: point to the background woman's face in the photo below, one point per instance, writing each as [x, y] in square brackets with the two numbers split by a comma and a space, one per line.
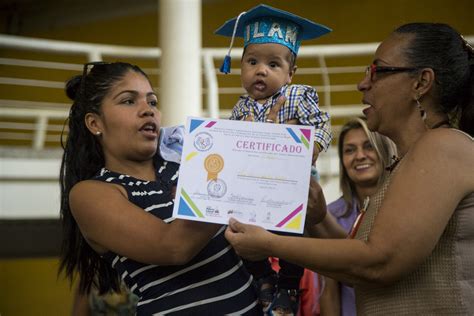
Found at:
[360, 159]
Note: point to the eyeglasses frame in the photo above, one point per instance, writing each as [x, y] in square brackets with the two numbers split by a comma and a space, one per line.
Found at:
[372, 69]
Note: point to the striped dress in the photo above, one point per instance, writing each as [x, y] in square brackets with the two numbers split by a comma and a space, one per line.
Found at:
[214, 282]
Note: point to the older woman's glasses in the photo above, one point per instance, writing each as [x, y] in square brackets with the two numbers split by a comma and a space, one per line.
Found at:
[372, 70]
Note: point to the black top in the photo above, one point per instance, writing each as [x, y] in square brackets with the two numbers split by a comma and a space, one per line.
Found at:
[214, 282]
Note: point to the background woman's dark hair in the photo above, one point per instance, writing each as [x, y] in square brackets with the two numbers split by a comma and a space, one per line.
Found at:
[82, 159]
[440, 47]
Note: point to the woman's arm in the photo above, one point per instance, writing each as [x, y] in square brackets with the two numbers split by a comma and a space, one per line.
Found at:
[80, 303]
[109, 221]
[330, 299]
[326, 256]
[327, 228]
[431, 180]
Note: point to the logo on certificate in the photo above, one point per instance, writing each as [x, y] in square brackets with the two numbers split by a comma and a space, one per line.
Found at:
[234, 213]
[203, 141]
[212, 211]
[216, 188]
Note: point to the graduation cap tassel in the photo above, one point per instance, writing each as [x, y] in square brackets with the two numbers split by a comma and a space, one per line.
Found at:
[225, 68]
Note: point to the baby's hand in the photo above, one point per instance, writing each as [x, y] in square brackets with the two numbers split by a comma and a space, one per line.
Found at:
[316, 152]
[273, 114]
[249, 118]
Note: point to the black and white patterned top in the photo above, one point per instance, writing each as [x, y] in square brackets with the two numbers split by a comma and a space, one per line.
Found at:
[214, 282]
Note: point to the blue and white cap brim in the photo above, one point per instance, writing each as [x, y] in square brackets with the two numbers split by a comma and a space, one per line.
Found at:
[264, 24]
[309, 29]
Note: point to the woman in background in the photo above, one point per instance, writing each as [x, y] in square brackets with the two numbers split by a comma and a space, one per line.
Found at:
[363, 157]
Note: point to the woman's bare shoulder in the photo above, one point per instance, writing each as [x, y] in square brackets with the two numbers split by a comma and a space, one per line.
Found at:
[88, 191]
[446, 141]
[88, 185]
[447, 151]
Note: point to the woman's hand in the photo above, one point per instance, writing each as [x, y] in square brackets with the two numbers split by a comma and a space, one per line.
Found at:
[249, 241]
[319, 222]
[273, 113]
[316, 210]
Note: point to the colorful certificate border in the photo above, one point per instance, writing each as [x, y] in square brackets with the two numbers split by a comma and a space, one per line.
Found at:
[186, 208]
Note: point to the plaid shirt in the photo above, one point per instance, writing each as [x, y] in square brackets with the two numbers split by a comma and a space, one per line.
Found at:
[301, 104]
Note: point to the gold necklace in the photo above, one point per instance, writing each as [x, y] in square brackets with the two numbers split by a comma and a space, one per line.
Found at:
[394, 163]
[439, 124]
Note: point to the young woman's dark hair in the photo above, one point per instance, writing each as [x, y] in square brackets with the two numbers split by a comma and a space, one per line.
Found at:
[82, 159]
[441, 48]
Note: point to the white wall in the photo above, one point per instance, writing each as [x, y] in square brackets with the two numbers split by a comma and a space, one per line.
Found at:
[29, 188]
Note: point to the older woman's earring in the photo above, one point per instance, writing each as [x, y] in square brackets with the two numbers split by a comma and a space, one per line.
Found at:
[422, 111]
[98, 133]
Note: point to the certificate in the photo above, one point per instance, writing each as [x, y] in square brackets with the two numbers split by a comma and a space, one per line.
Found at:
[255, 172]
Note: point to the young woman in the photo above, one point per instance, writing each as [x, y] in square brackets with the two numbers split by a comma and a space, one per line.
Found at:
[117, 200]
[412, 253]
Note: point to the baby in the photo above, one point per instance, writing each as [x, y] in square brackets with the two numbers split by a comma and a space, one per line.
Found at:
[272, 38]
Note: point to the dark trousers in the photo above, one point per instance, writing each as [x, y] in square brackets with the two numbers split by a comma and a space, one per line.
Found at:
[289, 275]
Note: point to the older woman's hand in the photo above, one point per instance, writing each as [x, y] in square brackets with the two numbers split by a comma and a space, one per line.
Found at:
[249, 241]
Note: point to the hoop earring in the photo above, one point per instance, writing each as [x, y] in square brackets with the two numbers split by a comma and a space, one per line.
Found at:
[422, 111]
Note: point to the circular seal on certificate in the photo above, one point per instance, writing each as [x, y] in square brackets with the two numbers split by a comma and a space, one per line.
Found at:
[216, 188]
[203, 141]
[214, 163]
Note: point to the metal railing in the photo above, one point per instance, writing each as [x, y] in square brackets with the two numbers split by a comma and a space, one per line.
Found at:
[36, 123]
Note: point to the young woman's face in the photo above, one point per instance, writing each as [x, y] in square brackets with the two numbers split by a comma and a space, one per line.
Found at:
[360, 159]
[265, 68]
[130, 120]
[389, 94]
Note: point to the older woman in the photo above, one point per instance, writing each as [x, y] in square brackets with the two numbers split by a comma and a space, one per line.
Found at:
[414, 244]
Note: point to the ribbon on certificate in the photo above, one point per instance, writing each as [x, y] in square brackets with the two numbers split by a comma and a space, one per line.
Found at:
[213, 164]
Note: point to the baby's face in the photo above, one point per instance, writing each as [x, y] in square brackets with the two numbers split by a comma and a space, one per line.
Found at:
[265, 68]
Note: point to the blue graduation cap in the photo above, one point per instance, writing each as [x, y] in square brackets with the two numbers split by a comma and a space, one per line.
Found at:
[264, 24]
